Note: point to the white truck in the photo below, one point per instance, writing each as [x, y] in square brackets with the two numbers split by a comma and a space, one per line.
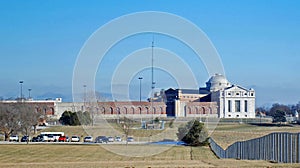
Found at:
[51, 136]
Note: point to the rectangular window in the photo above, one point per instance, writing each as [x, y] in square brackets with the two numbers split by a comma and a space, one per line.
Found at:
[246, 106]
[229, 105]
[237, 106]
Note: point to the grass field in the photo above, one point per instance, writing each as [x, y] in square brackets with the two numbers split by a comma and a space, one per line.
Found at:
[34, 155]
[78, 155]
[228, 133]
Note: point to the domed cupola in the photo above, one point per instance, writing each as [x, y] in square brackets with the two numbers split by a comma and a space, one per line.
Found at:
[217, 82]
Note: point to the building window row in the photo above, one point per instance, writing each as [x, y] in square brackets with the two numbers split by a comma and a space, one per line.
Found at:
[229, 115]
[238, 94]
[237, 106]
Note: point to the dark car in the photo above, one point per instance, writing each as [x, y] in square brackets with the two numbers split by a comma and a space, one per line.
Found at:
[130, 139]
[38, 138]
[25, 138]
[101, 139]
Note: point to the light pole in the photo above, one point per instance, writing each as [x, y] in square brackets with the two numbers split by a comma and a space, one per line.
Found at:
[29, 90]
[84, 98]
[21, 88]
[140, 78]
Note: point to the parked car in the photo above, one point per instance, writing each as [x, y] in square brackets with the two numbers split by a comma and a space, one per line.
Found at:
[110, 139]
[38, 138]
[130, 139]
[25, 138]
[62, 139]
[88, 139]
[51, 138]
[75, 138]
[118, 139]
[101, 139]
[14, 138]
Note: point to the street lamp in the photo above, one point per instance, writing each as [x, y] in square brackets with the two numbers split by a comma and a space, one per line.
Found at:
[29, 90]
[84, 97]
[21, 88]
[140, 78]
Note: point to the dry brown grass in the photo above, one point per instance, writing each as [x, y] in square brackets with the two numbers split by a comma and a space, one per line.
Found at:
[71, 155]
[35, 155]
[227, 134]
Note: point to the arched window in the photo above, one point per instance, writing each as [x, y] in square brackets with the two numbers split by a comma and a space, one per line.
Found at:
[140, 110]
[102, 111]
[189, 110]
[132, 110]
[52, 111]
[203, 110]
[111, 110]
[154, 110]
[210, 110]
[125, 110]
[196, 110]
[118, 110]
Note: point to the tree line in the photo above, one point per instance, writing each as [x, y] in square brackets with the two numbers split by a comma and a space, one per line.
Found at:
[19, 117]
[288, 109]
[279, 112]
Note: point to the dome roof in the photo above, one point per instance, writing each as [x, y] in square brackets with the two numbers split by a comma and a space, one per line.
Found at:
[217, 82]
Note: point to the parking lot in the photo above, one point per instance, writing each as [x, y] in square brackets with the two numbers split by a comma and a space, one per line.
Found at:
[79, 143]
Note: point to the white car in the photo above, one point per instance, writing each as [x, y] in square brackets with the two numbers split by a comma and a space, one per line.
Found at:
[118, 139]
[14, 138]
[75, 138]
[88, 139]
[110, 139]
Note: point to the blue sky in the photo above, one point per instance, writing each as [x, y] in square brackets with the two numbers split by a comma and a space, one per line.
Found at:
[258, 42]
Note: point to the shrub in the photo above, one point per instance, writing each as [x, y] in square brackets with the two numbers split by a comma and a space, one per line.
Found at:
[193, 133]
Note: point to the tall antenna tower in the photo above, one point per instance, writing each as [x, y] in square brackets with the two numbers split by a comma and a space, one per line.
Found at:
[152, 77]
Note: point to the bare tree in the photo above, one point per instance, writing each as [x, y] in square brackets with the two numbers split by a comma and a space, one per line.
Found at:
[29, 117]
[9, 120]
[91, 100]
[126, 125]
[15, 117]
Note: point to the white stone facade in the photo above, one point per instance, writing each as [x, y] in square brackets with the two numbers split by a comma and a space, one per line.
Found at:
[231, 101]
[236, 102]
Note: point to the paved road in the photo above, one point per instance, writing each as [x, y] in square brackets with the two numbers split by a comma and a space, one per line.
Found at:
[74, 143]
